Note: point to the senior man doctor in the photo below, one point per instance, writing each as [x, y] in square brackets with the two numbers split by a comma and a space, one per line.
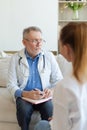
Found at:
[30, 69]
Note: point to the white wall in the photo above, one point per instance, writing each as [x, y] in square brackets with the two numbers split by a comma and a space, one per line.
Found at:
[15, 15]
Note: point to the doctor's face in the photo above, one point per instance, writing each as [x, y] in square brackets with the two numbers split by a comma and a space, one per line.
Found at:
[33, 43]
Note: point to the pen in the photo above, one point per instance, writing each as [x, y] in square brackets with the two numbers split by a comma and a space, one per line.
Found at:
[35, 89]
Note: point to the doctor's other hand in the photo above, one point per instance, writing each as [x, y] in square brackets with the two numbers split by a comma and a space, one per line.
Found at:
[48, 92]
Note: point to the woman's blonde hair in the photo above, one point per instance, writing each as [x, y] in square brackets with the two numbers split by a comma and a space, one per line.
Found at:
[75, 34]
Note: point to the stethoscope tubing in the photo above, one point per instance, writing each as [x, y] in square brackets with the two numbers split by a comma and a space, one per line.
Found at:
[19, 61]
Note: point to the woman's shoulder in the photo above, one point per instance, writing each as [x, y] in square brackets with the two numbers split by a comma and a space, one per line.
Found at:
[69, 83]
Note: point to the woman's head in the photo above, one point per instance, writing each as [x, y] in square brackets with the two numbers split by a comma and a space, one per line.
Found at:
[73, 46]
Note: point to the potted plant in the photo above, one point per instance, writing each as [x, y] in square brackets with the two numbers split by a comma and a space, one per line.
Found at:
[75, 6]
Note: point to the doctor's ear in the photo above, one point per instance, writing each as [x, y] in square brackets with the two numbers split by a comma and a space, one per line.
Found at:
[24, 42]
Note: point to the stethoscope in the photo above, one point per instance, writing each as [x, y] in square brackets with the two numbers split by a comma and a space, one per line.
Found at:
[43, 64]
[19, 61]
[20, 58]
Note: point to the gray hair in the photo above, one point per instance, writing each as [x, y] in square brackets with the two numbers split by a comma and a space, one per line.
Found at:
[32, 28]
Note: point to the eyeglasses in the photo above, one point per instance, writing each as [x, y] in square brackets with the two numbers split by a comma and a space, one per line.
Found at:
[35, 41]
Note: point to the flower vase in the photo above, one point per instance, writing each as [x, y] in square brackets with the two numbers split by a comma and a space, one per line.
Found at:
[75, 15]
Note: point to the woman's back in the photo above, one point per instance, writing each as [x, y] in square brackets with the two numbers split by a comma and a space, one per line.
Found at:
[70, 105]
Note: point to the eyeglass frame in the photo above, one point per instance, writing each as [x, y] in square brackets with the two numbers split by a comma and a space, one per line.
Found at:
[35, 40]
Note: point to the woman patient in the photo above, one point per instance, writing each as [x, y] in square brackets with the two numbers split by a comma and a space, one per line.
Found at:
[70, 96]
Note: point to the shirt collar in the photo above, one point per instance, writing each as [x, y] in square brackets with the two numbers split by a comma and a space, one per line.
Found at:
[28, 56]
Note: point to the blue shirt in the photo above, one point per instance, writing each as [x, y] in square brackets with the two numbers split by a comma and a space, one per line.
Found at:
[34, 80]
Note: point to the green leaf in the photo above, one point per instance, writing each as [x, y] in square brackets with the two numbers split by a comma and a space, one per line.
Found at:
[74, 5]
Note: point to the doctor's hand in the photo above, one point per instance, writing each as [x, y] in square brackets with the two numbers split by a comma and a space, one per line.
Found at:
[33, 94]
[48, 92]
